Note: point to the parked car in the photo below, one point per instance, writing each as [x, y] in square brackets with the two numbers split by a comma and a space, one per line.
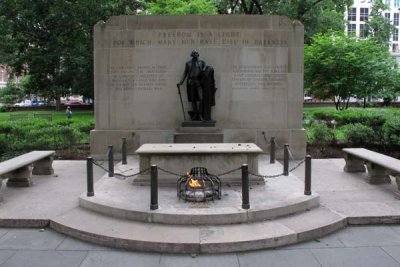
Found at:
[76, 103]
[37, 103]
[24, 103]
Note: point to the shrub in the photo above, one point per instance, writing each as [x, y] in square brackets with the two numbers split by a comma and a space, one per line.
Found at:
[359, 134]
[391, 131]
[320, 134]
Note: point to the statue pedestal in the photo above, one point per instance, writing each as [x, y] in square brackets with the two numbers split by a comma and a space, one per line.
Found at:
[198, 132]
[198, 124]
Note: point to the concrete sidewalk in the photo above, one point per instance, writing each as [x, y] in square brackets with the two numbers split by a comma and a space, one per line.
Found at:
[354, 246]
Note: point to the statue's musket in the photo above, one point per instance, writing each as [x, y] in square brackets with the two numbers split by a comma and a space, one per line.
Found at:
[180, 97]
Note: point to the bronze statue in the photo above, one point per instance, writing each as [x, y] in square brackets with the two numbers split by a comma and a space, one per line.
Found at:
[200, 87]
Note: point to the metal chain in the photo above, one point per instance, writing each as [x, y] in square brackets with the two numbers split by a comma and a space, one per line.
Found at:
[297, 165]
[128, 176]
[280, 174]
[100, 166]
[170, 172]
[228, 172]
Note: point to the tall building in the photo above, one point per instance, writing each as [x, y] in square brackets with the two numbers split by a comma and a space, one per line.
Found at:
[358, 14]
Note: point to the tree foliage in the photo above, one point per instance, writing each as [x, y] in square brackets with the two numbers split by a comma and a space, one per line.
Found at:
[181, 7]
[52, 40]
[318, 16]
[11, 93]
[337, 66]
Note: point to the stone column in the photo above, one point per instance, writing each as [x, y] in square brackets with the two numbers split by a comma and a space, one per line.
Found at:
[353, 164]
[43, 166]
[377, 174]
[20, 177]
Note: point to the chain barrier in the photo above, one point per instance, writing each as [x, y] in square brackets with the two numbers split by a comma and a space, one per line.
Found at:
[290, 154]
[100, 165]
[170, 172]
[280, 174]
[123, 177]
[228, 172]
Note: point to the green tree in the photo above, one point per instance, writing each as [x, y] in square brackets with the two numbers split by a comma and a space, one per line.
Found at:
[181, 7]
[11, 93]
[317, 16]
[338, 66]
[52, 41]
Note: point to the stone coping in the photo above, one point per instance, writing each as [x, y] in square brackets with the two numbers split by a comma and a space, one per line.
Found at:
[377, 158]
[206, 148]
[276, 198]
[23, 160]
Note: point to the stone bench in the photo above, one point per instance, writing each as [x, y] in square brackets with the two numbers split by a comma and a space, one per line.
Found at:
[379, 166]
[19, 170]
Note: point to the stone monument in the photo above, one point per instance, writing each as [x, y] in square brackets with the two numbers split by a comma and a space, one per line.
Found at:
[258, 63]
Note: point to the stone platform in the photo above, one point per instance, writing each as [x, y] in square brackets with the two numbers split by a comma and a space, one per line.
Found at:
[345, 199]
[270, 200]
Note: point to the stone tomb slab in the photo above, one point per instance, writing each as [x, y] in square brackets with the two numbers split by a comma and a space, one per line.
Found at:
[217, 158]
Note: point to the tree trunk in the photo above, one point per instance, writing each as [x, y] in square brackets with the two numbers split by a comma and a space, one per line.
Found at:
[58, 103]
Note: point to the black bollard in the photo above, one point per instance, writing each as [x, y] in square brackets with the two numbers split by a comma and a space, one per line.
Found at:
[89, 169]
[272, 153]
[123, 151]
[153, 187]
[110, 161]
[307, 179]
[286, 160]
[245, 187]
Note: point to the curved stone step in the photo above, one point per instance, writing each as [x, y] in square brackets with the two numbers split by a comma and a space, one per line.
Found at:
[140, 236]
[277, 198]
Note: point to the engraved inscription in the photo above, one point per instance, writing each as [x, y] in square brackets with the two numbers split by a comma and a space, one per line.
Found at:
[220, 38]
[138, 78]
[258, 77]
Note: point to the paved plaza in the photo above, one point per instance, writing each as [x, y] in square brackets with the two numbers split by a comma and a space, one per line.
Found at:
[374, 244]
[353, 246]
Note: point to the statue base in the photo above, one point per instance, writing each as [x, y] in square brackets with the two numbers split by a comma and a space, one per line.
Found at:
[198, 132]
[198, 124]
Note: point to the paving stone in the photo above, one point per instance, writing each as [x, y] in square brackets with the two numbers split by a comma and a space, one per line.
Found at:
[223, 260]
[46, 258]
[5, 255]
[120, 259]
[75, 244]
[330, 241]
[287, 258]
[31, 239]
[393, 251]
[366, 236]
[395, 228]
[353, 257]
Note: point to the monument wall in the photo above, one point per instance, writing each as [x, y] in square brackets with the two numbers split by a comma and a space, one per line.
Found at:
[258, 62]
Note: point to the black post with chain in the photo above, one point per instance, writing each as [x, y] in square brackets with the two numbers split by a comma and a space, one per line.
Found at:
[153, 187]
[110, 161]
[245, 187]
[286, 160]
[307, 180]
[89, 170]
[272, 150]
[123, 151]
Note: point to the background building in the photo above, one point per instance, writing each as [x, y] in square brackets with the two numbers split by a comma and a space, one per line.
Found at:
[358, 14]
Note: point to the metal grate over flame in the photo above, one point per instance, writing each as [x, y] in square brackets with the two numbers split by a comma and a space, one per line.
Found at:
[198, 186]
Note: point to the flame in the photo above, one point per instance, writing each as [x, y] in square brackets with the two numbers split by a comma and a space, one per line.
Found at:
[193, 183]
